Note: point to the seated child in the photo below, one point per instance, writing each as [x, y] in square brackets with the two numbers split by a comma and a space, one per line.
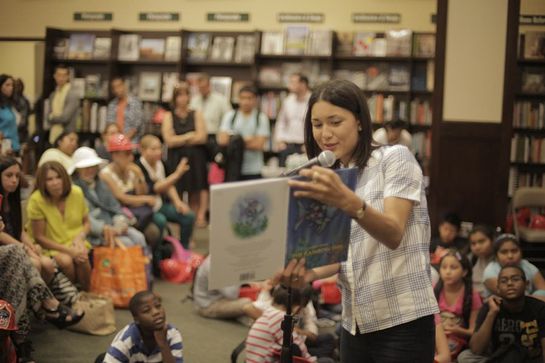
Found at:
[448, 238]
[7, 326]
[508, 253]
[511, 327]
[264, 341]
[150, 338]
[481, 240]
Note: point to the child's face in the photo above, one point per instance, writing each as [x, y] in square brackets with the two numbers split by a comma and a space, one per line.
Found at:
[152, 153]
[509, 254]
[511, 285]
[447, 232]
[150, 315]
[451, 270]
[481, 245]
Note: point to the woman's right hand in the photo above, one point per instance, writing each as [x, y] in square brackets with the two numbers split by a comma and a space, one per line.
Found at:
[294, 275]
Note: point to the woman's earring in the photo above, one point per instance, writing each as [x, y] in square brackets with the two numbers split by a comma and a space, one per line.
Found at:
[360, 128]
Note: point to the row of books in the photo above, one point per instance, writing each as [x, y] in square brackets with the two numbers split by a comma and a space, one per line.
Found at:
[529, 115]
[379, 77]
[533, 80]
[421, 112]
[393, 43]
[279, 75]
[297, 40]
[527, 149]
[387, 108]
[133, 47]
[220, 48]
[82, 46]
[90, 86]
[534, 45]
[519, 179]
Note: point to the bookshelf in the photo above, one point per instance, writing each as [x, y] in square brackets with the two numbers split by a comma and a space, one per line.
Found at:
[527, 149]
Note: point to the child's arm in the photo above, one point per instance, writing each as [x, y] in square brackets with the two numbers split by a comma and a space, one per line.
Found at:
[491, 284]
[481, 338]
[441, 345]
[162, 186]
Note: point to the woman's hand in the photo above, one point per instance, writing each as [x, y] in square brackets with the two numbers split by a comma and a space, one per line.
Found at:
[324, 185]
[150, 200]
[109, 233]
[294, 275]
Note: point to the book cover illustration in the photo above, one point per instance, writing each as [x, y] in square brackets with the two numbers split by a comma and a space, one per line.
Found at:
[102, 48]
[318, 232]
[197, 46]
[128, 47]
[150, 86]
[424, 45]
[222, 49]
[363, 43]
[296, 39]
[245, 49]
[249, 215]
[398, 42]
[170, 80]
[534, 45]
[152, 49]
[320, 42]
[81, 46]
[272, 43]
[221, 85]
[345, 41]
[173, 49]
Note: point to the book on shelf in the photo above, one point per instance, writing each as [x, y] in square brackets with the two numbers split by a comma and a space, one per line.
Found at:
[272, 43]
[170, 80]
[421, 147]
[128, 49]
[296, 39]
[527, 149]
[534, 45]
[363, 44]
[80, 46]
[311, 68]
[399, 78]
[222, 49]
[152, 49]
[198, 45]
[529, 115]
[319, 43]
[270, 76]
[259, 226]
[345, 42]
[173, 48]
[132, 83]
[149, 88]
[377, 77]
[420, 112]
[245, 49]
[399, 43]
[533, 80]
[102, 49]
[424, 45]
[221, 85]
[92, 86]
[518, 179]
[77, 85]
[60, 48]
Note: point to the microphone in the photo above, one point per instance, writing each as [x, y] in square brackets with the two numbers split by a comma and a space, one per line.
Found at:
[326, 159]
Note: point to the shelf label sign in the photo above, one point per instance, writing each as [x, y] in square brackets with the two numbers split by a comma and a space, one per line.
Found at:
[301, 18]
[93, 16]
[532, 20]
[228, 17]
[156, 16]
[380, 18]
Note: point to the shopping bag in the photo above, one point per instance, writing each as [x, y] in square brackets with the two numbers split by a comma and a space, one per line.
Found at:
[119, 273]
[182, 265]
[99, 318]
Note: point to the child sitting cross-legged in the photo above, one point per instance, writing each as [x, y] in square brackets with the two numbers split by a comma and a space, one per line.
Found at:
[149, 338]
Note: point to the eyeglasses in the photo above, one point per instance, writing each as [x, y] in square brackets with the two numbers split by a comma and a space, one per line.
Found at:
[515, 278]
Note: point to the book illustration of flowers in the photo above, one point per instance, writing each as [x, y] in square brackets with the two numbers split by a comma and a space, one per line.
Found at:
[249, 215]
[317, 214]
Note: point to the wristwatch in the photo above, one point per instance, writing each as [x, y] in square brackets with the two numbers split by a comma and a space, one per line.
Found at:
[360, 213]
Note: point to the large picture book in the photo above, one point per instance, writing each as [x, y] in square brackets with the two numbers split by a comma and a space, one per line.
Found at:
[128, 47]
[152, 49]
[399, 43]
[296, 39]
[102, 48]
[170, 81]
[534, 45]
[80, 46]
[173, 49]
[222, 49]
[149, 88]
[245, 49]
[272, 43]
[257, 226]
[424, 45]
[197, 46]
[320, 42]
[221, 85]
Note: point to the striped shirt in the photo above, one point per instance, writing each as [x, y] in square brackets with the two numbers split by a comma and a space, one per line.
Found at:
[264, 342]
[382, 288]
[128, 347]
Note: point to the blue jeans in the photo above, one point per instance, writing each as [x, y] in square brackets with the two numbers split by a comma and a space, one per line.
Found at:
[168, 213]
[412, 342]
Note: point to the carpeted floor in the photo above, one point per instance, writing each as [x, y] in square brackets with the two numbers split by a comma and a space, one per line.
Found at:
[205, 341]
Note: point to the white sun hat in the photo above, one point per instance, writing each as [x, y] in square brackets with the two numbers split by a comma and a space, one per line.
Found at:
[85, 157]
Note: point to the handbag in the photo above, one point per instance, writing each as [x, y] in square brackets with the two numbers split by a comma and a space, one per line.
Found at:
[182, 265]
[119, 273]
[99, 318]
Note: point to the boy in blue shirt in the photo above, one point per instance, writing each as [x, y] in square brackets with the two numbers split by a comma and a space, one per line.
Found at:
[150, 338]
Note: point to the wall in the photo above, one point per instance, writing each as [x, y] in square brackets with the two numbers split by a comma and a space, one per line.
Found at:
[29, 18]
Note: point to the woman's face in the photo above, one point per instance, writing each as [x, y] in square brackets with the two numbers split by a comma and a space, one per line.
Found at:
[182, 99]
[88, 174]
[122, 158]
[336, 129]
[7, 87]
[481, 245]
[53, 183]
[109, 132]
[10, 178]
[69, 143]
[509, 254]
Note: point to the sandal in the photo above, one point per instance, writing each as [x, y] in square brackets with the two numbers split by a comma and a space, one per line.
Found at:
[62, 312]
[24, 352]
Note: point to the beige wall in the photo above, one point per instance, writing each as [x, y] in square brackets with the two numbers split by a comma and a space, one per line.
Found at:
[29, 18]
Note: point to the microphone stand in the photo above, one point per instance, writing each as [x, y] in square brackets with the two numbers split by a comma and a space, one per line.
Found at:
[286, 355]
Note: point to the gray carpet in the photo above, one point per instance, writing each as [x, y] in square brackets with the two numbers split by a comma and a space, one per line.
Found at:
[205, 341]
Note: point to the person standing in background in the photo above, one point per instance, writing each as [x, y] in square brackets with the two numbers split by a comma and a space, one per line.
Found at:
[8, 114]
[213, 106]
[64, 104]
[289, 131]
[22, 105]
[125, 110]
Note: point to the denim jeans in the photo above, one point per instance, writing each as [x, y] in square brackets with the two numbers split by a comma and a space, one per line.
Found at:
[412, 342]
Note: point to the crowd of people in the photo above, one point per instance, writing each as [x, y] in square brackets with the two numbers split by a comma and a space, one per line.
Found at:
[405, 297]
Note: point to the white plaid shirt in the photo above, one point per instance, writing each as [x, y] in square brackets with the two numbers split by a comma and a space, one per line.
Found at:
[382, 288]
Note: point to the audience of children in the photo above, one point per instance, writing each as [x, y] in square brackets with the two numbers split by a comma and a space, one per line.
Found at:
[508, 253]
[150, 338]
[162, 184]
[449, 229]
[511, 326]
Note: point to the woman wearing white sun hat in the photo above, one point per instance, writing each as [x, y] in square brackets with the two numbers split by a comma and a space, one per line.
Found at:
[108, 222]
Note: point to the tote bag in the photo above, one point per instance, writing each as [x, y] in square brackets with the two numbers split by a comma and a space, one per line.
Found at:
[99, 318]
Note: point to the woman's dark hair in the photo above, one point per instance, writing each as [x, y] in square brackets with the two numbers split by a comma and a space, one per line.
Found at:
[346, 95]
[62, 136]
[487, 231]
[5, 100]
[13, 199]
[41, 178]
[468, 283]
[280, 296]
